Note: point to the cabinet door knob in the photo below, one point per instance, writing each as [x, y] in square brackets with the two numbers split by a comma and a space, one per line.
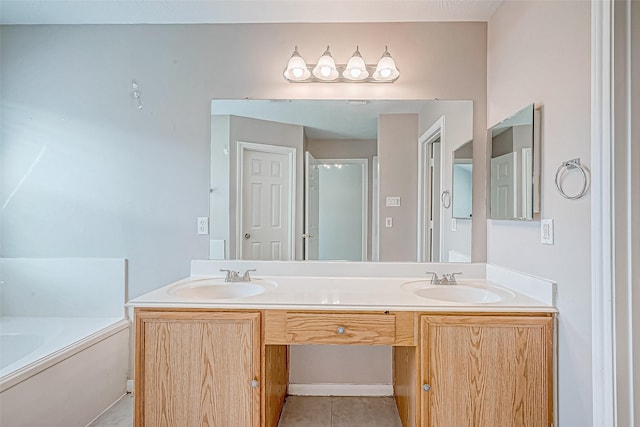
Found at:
[340, 330]
[426, 387]
[254, 383]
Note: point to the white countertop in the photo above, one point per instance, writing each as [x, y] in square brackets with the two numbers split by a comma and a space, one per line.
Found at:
[341, 293]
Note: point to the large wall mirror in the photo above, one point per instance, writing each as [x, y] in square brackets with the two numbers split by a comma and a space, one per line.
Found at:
[336, 179]
[515, 167]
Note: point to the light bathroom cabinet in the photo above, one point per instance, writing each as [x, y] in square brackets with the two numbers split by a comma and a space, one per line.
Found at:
[486, 371]
[197, 368]
[230, 368]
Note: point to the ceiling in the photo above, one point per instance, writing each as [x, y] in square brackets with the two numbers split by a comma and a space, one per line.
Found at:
[241, 11]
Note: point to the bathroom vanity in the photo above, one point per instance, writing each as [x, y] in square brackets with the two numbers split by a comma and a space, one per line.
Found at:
[224, 361]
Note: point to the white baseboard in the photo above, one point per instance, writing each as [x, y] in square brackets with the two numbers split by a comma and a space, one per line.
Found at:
[129, 386]
[341, 389]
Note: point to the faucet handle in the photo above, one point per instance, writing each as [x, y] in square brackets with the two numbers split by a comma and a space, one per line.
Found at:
[434, 277]
[451, 278]
[231, 275]
[246, 277]
[227, 276]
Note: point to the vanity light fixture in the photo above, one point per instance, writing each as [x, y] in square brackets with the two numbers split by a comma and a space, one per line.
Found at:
[356, 70]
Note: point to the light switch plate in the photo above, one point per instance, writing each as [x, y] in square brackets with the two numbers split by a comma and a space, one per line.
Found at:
[393, 201]
[546, 231]
[203, 225]
[388, 222]
[454, 224]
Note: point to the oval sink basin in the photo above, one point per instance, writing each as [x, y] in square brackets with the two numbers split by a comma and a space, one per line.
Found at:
[217, 288]
[470, 294]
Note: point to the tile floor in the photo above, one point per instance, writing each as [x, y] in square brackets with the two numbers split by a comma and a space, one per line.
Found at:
[299, 411]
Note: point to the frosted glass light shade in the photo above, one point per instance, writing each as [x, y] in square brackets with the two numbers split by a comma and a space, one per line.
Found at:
[296, 68]
[356, 69]
[386, 69]
[325, 69]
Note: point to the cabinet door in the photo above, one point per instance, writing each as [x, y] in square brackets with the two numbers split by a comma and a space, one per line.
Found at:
[486, 371]
[197, 369]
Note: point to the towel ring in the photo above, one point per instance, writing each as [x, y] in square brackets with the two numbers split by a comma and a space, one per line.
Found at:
[562, 169]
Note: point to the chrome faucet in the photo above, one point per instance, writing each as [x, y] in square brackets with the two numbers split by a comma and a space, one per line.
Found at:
[234, 276]
[446, 279]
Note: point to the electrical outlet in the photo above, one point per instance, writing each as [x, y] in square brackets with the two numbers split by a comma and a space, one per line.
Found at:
[203, 225]
[388, 222]
[546, 232]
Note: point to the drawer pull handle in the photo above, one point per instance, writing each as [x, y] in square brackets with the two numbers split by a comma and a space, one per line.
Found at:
[340, 330]
[254, 383]
[426, 387]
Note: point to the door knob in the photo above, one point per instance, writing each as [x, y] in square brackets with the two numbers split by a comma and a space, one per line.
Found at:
[308, 235]
[247, 236]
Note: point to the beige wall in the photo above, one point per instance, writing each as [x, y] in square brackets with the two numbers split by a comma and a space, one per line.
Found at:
[397, 142]
[69, 88]
[540, 52]
[130, 183]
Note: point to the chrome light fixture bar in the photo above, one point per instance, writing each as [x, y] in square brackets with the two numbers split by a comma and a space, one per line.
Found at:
[354, 71]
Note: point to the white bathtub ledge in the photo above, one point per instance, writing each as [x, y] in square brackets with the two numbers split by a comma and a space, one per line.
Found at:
[34, 368]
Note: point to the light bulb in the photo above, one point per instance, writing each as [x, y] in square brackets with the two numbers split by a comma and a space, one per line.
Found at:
[385, 73]
[325, 71]
[356, 69]
[296, 68]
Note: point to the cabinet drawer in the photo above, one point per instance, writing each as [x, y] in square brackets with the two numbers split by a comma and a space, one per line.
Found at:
[340, 328]
[373, 328]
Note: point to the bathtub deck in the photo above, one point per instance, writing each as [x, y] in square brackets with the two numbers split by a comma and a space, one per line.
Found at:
[45, 336]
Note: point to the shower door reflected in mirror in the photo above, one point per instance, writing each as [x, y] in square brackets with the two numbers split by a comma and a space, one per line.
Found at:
[336, 209]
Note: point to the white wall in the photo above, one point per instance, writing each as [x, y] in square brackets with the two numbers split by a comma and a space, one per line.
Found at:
[540, 52]
[63, 287]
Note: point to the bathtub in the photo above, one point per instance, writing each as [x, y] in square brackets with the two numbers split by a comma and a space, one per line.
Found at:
[64, 340]
[61, 371]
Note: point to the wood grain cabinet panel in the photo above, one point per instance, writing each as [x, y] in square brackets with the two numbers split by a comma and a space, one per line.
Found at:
[486, 371]
[196, 369]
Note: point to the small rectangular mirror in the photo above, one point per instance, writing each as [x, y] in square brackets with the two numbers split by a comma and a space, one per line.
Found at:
[512, 167]
[463, 181]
